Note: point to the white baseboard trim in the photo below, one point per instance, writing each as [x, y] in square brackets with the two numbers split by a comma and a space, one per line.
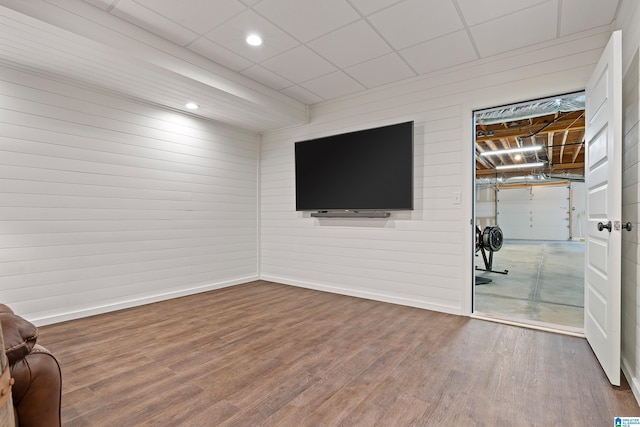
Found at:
[52, 318]
[364, 294]
[633, 381]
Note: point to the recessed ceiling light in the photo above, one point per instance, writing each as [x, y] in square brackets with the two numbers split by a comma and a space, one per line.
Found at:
[191, 105]
[254, 40]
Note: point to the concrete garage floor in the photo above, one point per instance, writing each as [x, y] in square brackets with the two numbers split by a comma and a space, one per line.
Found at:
[545, 283]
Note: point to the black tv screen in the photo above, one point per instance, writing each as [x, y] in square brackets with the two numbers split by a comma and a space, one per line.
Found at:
[370, 169]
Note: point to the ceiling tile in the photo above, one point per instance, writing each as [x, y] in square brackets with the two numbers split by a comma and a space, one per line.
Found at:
[437, 54]
[415, 21]
[475, 11]
[299, 65]
[200, 16]
[306, 20]
[151, 21]
[367, 7]
[350, 45]
[267, 77]
[333, 85]
[508, 32]
[219, 54]
[302, 95]
[318, 49]
[578, 15]
[233, 33]
[382, 70]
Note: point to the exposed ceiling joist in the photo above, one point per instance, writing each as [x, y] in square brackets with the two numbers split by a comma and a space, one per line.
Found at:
[561, 134]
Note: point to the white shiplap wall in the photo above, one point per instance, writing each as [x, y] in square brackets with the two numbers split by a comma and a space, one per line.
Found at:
[424, 257]
[107, 203]
[371, 255]
[629, 22]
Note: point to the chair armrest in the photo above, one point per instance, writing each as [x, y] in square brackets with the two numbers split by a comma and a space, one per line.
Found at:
[37, 391]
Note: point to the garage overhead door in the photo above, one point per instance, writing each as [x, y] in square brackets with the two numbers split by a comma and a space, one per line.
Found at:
[534, 212]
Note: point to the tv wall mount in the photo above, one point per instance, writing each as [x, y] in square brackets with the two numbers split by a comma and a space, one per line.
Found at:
[350, 214]
[488, 240]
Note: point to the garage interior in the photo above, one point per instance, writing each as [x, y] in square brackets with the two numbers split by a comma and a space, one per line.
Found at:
[530, 212]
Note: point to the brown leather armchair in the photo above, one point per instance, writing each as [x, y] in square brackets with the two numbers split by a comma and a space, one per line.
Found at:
[37, 389]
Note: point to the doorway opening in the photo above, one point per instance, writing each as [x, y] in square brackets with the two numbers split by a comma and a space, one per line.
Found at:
[530, 213]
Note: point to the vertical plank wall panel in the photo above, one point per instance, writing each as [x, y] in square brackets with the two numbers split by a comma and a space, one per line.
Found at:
[107, 203]
[629, 22]
[416, 257]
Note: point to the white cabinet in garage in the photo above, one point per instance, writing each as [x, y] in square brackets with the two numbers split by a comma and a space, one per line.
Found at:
[534, 212]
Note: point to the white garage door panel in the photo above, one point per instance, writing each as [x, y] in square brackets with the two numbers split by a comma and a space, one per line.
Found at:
[534, 213]
[514, 213]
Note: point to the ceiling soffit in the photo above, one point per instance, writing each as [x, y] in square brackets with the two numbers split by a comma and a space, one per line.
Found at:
[108, 53]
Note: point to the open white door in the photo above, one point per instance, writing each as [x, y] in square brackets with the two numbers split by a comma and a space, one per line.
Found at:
[603, 176]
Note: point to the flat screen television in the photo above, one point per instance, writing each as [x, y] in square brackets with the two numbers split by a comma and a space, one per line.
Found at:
[370, 169]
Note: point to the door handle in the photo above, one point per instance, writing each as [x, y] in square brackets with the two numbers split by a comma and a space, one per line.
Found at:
[602, 226]
[628, 226]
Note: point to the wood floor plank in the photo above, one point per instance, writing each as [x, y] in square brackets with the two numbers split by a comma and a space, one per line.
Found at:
[266, 354]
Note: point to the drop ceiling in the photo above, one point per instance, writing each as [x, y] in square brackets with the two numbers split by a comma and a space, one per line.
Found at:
[170, 51]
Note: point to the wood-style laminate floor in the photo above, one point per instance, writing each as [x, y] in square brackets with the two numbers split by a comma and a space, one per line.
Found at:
[265, 354]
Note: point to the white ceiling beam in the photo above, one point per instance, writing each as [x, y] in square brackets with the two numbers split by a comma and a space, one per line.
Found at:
[139, 51]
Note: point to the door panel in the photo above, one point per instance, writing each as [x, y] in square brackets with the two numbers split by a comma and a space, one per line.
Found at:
[534, 212]
[603, 181]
